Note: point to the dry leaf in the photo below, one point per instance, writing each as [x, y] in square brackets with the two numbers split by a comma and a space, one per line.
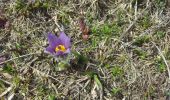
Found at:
[84, 28]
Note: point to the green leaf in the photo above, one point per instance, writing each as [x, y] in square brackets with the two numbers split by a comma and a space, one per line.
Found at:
[51, 97]
[63, 65]
[96, 79]
[116, 90]
[80, 59]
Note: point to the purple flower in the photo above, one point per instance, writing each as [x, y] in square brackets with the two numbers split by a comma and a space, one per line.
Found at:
[58, 45]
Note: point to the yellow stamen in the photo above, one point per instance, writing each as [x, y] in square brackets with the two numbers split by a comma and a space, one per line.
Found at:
[60, 48]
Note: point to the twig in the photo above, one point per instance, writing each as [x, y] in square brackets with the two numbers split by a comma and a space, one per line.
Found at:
[163, 59]
[6, 91]
[47, 75]
[18, 57]
[59, 27]
[5, 81]
[82, 89]
[132, 65]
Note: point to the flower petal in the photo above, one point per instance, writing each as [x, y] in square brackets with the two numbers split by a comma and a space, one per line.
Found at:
[53, 40]
[59, 53]
[49, 49]
[67, 51]
[65, 40]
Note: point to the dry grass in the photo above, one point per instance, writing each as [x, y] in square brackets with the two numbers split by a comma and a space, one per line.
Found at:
[125, 58]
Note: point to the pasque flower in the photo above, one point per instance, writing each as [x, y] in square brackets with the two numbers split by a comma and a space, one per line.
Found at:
[58, 46]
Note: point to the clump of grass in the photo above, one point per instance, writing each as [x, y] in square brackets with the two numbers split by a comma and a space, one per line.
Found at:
[2, 86]
[160, 34]
[107, 29]
[116, 91]
[150, 92]
[27, 8]
[160, 4]
[8, 68]
[16, 81]
[145, 22]
[140, 53]
[167, 54]
[161, 67]
[121, 17]
[139, 41]
[117, 72]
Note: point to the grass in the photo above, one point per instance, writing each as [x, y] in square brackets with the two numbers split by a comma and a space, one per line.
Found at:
[124, 57]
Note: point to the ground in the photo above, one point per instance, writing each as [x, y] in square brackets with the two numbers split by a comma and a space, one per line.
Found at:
[120, 50]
